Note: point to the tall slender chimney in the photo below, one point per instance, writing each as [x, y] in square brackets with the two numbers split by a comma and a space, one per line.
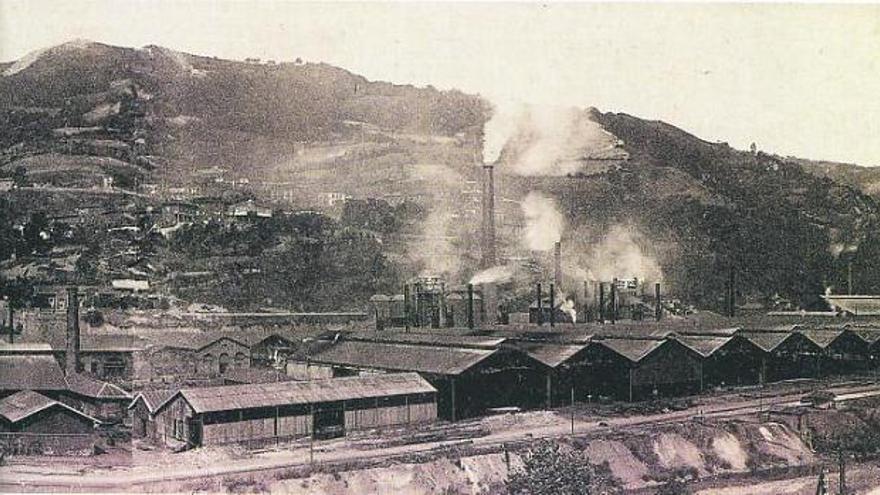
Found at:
[731, 295]
[488, 227]
[540, 307]
[71, 356]
[658, 310]
[406, 309]
[557, 264]
[470, 306]
[601, 302]
[613, 301]
[552, 305]
[587, 315]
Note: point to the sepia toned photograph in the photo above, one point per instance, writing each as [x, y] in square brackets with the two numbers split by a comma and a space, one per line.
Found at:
[444, 248]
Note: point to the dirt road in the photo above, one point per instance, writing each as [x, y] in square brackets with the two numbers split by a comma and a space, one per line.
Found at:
[33, 478]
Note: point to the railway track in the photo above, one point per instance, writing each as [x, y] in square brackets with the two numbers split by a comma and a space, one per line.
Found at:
[346, 458]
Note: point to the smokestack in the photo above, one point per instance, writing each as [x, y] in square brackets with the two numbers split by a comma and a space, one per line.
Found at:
[552, 305]
[557, 264]
[613, 301]
[540, 307]
[470, 306]
[658, 310]
[406, 316]
[71, 357]
[488, 234]
[587, 316]
[602, 302]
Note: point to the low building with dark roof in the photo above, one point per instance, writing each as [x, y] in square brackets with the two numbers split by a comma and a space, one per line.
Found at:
[469, 381]
[270, 412]
[34, 424]
[43, 374]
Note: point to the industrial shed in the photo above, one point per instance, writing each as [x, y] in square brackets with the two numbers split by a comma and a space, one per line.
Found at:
[278, 411]
[843, 351]
[31, 423]
[469, 381]
[789, 354]
[142, 411]
[646, 366]
[732, 360]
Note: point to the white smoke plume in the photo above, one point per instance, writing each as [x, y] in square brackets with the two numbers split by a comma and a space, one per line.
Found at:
[621, 255]
[543, 222]
[545, 140]
[494, 275]
[568, 307]
[434, 249]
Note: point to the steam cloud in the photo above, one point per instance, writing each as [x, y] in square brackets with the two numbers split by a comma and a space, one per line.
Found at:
[544, 223]
[434, 250]
[620, 255]
[496, 275]
[545, 140]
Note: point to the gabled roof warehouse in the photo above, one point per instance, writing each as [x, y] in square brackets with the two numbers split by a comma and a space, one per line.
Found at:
[403, 357]
[27, 403]
[268, 412]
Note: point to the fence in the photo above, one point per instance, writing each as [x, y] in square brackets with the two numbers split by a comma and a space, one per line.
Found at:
[47, 443]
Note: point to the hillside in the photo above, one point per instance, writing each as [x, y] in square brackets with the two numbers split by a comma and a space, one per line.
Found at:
[867, 179]
[125, 130]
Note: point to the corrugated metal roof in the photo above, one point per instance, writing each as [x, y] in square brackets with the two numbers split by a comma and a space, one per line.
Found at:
[485, 342]
[403, 357]
[868, 334]
[551, 355]
[633, 349]
[27, 403]
[31, 372]
[704, 345]
[233, 397]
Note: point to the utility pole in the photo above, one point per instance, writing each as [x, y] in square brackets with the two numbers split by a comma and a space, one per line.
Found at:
[841, 460]
[572, 410]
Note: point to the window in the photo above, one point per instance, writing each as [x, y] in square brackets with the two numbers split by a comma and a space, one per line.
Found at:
[114, 366]
[208, 364]
[241, 360]
[94, 367]
[178, 430]
[225, 361]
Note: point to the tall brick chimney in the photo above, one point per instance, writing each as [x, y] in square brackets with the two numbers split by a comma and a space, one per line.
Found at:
[71, 356]
[557, 264]
[487, 247]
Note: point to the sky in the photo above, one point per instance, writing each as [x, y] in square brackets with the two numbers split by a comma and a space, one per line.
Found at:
[796, 79]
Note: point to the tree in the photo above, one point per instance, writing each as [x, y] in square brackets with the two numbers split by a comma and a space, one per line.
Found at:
[550, 468]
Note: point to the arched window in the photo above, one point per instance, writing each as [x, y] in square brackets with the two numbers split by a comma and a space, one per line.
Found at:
[241, 360]
[225, 361]
[208, 365]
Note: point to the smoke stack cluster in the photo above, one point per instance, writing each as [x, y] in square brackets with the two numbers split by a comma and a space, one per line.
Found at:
[71, 356]
[488, 227]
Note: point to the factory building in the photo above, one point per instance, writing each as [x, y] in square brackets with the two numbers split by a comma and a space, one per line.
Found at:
[469, 381]
[266, 413]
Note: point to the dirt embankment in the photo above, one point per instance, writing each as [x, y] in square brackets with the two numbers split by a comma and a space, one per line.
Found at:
[638, 459]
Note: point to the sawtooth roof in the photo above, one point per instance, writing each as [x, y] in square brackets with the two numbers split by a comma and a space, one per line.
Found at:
[552, 355]
[632, 349]
[403, 357]
[767, 340]
[704, 345]
[234, 397]
[823, 338]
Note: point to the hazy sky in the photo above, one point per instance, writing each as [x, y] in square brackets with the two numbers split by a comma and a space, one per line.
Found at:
[796, 79]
